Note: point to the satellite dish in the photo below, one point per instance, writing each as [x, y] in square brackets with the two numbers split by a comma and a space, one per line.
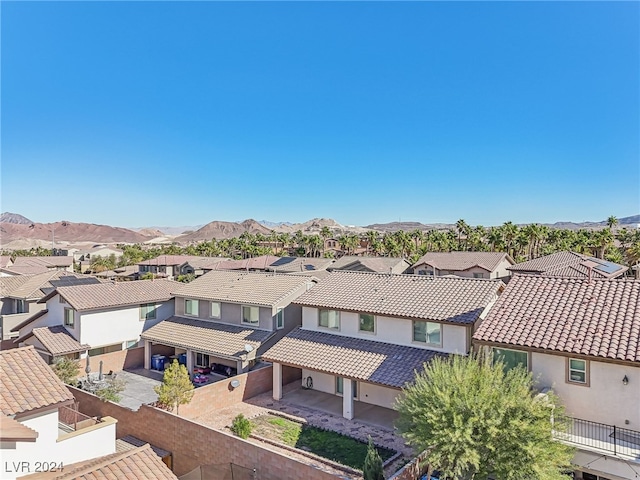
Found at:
[247, 348]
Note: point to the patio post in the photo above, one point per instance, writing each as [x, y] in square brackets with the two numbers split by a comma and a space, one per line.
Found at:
[347, 398]
[147, 354]
[277, 381]
[190, 361]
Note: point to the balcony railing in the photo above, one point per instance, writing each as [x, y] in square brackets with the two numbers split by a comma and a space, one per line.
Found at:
[71, 420]
[599, 436]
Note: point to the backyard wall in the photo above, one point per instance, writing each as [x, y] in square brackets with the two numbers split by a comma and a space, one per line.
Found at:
[116, 361]
[193, 444]
[221, 395]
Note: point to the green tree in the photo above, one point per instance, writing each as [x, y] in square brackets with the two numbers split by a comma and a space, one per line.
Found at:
[372, 469]
[241, 427]
[478, 421]
[612, 221]
[66, 369]
[112, 389]
[176, 388]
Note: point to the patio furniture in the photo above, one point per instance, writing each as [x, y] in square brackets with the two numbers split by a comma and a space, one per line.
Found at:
[204, 370]
[198, 378]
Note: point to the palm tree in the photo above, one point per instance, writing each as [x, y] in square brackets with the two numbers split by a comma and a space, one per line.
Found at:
[462, 227]
[612, 221]
[324, 233]
[372, 237]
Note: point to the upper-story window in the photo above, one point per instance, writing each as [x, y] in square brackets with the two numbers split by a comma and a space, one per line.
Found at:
[61, 299]
[280, 318]
[478, 275]
[215, 310]
[329, 319]
[148, 311]
[577, 371]
[20, 306]
[429, 333]
[191, 307]
[69, 317]
[367, 323]
[250, 315]
[511, 358]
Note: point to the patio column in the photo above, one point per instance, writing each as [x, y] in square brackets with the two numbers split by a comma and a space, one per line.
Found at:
[277, 381]
[147, 354]
[347, 398]
[190, 362]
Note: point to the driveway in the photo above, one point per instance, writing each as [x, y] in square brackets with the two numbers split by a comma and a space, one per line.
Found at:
[139, 389]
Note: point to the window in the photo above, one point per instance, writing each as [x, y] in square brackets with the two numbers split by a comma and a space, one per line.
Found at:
[191, 307]
[422, 272]
[202, 360]
[329, 319]
[20, 306]
[148, 311]
[69, 317]
[340, 386]
[367, 323]
[280, 318]
[478, 275]
[132, 343]
[427, 332]
[215, 310]
[578, 372]
[102, 350]
[511, 358]
[250, 315]
[61, 300]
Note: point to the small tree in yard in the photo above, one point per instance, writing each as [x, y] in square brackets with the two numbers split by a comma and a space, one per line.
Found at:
[372, 469]
[241, 426]
[67, 370]
[476, 421]
[112, 389]
[176, 388]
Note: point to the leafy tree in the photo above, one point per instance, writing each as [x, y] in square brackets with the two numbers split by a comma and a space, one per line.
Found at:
[478, 421]
[612, 221]
[176, 388]
[67, 370]
[372, 469]
[241, 427]
[147, 276]
[186, 278]
[112, 389]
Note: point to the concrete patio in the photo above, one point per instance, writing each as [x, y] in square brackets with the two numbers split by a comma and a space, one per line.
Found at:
[139, 387]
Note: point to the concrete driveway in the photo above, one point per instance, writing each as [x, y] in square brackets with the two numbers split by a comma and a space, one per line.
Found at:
[139, 389]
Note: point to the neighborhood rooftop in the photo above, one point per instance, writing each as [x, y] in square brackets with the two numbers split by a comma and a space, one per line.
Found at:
[460, 261]
[600, 318]
[370, 264]
[256, 288]
[56, 340]
[36, 286]
[27, 382]
[103, 295]
[448, 299]
[376, 362]
[569, 264]
[45, 261]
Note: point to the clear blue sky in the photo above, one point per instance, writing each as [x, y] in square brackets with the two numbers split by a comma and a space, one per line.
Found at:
[140, 113]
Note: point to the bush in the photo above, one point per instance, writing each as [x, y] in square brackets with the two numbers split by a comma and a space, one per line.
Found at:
[372, 469]
[111, 392]
[241, 427]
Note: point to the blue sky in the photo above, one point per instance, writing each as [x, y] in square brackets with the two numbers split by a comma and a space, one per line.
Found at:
[141, 113]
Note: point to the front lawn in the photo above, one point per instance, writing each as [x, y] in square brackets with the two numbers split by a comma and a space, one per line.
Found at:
[327, 444]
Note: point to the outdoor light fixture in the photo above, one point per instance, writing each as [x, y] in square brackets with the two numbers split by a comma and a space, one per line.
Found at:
[625, 380]
[235, 383]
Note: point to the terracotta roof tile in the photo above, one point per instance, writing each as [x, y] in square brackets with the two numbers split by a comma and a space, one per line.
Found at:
[355, 358]
[256, 288]
[129, 442]
[138, 464]
[46, 261]
[205, 336]
[13, 431]
[569, 264]
[370, 264]
[86, 297]
[27, 382]
[600, 318]
[448, 299]
[37, 286]
[460, 261]
[57, 340]
[300, 264]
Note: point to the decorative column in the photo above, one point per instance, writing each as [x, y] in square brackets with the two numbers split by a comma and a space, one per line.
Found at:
[347, 398]
[277, 381]
[147, 354]
[190, 362]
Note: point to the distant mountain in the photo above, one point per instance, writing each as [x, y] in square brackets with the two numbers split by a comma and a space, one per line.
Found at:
[269, 224]
[632, 220]
[220, 230]
[407, 226]
[8, 217]
[169, 230]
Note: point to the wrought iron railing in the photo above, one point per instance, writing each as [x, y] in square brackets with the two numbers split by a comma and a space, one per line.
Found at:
[600, 436]
[72, 420]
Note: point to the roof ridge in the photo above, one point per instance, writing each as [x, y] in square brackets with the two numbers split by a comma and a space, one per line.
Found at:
[100, 462]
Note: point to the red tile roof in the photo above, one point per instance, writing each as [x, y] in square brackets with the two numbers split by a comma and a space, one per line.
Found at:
[56, 340]
[460, 261]
[569, 264]
[600, 318]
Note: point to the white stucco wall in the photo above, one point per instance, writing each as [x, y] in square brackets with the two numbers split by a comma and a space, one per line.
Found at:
[605, 400]
[46, 448]
[398, 331]
[321, 381]
[377, 395]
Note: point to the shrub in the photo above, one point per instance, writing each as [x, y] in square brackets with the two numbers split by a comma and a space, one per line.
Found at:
[241, 426]
[372, 469]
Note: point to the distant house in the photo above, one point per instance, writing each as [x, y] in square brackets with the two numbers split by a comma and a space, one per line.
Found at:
[39, 423]
[96, 319]
[19, 295]
[370, 264]
[171, 266]
[569, 264]
[128, 272]
[300, 265]
[226, 319]
[83, 258]
[253, 264]
[465, 264]
[364, 334]
[27, 265]
[580, 338]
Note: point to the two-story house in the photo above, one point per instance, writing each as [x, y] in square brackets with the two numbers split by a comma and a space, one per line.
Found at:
[27, 265]
[98, 318]
[20, 294]
[581, 339]
[569, 264]
[355, 263]
[364, 334]
[465, 264]
[228, 318]
[39, 428]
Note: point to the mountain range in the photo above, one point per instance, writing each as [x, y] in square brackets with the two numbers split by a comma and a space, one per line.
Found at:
[17, 231]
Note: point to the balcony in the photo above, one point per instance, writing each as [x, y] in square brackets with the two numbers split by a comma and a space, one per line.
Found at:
[71, 420]
[599, 437]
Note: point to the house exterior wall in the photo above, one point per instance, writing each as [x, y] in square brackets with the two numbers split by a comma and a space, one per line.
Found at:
[47, 448]
[606, 399]
[377, 395]
[230, 313]
[322, 382]
[398, 331]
